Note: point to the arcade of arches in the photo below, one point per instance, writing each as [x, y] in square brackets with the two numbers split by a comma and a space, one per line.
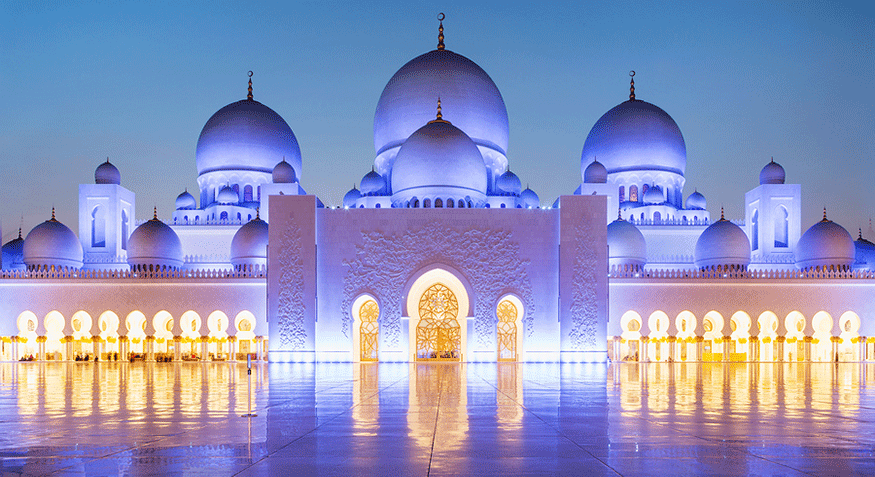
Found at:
[768, 337]
[57, 338]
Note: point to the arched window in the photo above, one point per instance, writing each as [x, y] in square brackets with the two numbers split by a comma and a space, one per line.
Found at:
[426, 203]
[781, 227]
[247, 194]
[461, 204]
[622, 193]
[469, 203]
[438, 334]
[125, 227]
[657, 217]
[633, 193]
[644, 190]
[755, 230]
[415, 203]
[223, 216]
[503, 206]
[239, 217]
[236, 189]
[506, 332]
[438, 203]
[369, 330]
[98, 227]
[450, 203]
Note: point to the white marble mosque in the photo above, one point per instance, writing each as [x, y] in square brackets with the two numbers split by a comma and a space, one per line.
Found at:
[439, 253]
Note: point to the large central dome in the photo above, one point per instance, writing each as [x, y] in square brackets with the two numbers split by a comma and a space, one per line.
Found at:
[636, 136]
[464, 88]
[246, 136]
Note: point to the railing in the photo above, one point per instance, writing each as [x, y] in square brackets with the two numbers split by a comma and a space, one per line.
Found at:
[250, 271]
[632, 272]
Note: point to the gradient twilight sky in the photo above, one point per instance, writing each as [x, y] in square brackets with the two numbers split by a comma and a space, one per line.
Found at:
[137, 82]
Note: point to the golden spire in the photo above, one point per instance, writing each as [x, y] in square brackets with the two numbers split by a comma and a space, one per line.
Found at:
[53, 215]
[859, 235]
[155, 213]
[632, 86]
[257, 214]
[441, 17]
[19, 232]
[619, 213]
[249, 95]
[439, 115]
[721, 213]
[824, 216]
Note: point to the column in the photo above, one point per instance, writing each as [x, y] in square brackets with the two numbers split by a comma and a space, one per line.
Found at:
[232, 348]
[726, 341]
[68, 348]
[258, 347]
[149, 344]
[645, 348]
[177, 351]
[205, 356]
[700, 347]
[41, 348]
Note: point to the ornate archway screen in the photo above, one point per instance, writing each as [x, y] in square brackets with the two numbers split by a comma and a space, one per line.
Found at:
[506, 332]
[438, 335]
[369, 331]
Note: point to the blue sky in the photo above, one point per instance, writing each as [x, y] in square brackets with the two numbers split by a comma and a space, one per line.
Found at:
[745, 81]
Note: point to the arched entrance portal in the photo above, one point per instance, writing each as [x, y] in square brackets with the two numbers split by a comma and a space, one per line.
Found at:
[369, 330]
[507, 330]
[438, 334]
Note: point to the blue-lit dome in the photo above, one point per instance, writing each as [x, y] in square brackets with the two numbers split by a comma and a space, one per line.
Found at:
[825, 244]
[249, 245]
[865, 253]
[52, 244]
[372, 183]
[626, 244]
[654, 196]
[407, 102]
[246, 136]
[595, 173]
[696, 201]
[13, 254]
[509, 183]
[439, 160]
[154, 244]
[283, 173]
[185, 201]
[772, 173]
[722, 244]
[351, 197]
[228, 196]
[636, 136]
[529, 199]
[107, 173]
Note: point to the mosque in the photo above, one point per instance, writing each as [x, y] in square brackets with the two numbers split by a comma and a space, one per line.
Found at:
[439, 254]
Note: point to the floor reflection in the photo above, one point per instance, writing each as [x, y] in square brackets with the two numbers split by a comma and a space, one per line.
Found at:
[438, 418]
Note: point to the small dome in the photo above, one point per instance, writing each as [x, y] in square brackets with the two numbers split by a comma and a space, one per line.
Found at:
[373, 183]
[825, 244]
[284, 173]
[696, 201]
[438, 159]
[595, 173]
[626, 244]
[228, 196]
[509, 183]
[249, 245]
[107, 173]
[185, 201]
[529, 200]
[772, 173]
[154, 244]
[654, 195]
[865, 253]
[13, 254]
[722, 244]
[52, 244]
[351, 197]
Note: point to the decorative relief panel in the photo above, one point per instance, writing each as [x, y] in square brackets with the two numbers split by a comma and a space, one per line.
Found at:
[290, 309]
[584, 309]
[489, 259]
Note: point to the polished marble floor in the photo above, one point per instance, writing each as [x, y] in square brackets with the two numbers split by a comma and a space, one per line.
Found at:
[437, 419]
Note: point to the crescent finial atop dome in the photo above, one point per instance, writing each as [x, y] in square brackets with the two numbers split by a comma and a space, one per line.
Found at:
[249, 94]
[441, 17]
[632, 85]
[439, 117]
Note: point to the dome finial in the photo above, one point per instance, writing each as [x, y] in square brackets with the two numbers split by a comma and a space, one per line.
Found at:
[632, 86]
[257, 213]
[439, 115]
[721, 213]
[619, 213]
[53, 214]
[19, 232]
[824, 216]
[249, 95]
[155, 213]
[773, 159]
[440, 18]
[107, 159]
[859, 235]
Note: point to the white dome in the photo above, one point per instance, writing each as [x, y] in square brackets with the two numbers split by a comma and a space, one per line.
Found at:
[284, 173]
[154, 244]
[351, 197]
[407, 102]
[654, 195]
[249, 245]
[13, 254]
[825, 244]
[439, 160]
[772, 173]
[595, 173]
[864, 253]
[626, 244]
[373, 184]
[185, 201]
[52, 244]
[722, 244]
[529, 200]
[696, 201]
[107, 173]
[509, 183]
[246, 136]
[227, 195]
[636, 136]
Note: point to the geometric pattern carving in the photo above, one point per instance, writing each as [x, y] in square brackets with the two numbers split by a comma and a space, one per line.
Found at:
[438, 335]
[584, 309]
[369, 330]
[290, 313]
[507, 315]
[489, 260]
